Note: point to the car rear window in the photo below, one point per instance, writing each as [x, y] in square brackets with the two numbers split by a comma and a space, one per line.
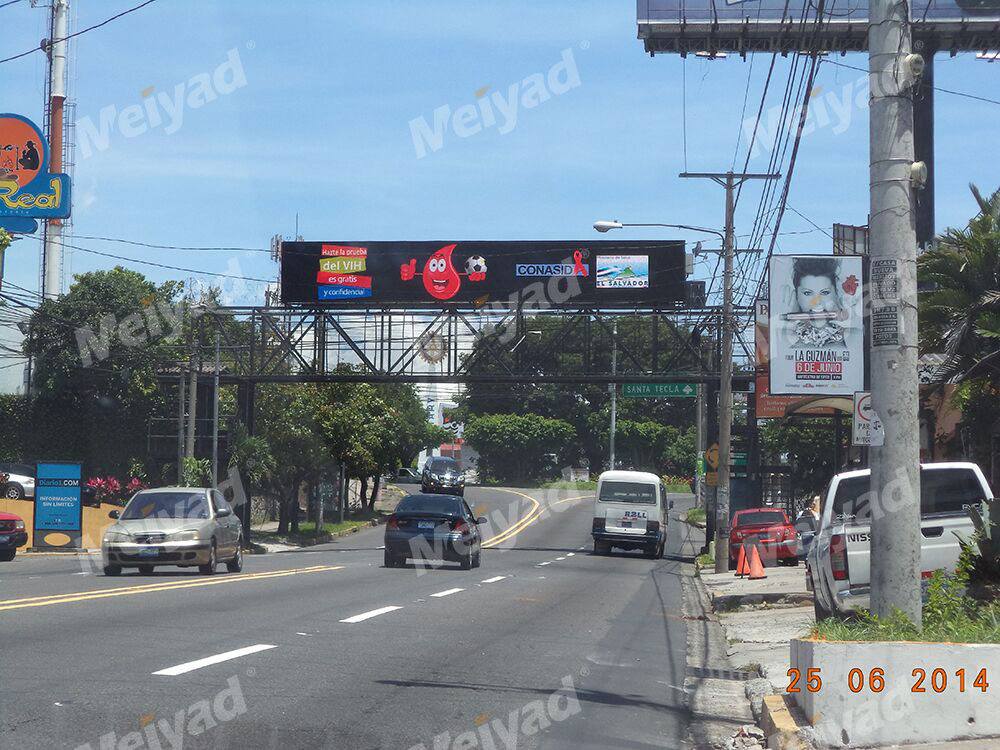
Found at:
[427, 504]
[941, 491]
[628, 492]
[761, 518]
[166, 505]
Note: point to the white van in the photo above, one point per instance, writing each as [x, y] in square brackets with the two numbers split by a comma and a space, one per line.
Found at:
[838, 565]
[630, 512]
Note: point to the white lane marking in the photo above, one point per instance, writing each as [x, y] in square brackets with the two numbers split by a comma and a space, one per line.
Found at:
[548, 562]
[570, 554]
[368, 615]
[494, 579]
[560, 558]
[382, 547]
[309, 634]
[210, 660]
[81, 573]
[446, 592]
[312, 553]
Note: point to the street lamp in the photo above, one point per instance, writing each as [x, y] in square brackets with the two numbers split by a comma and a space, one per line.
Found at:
[606, 226]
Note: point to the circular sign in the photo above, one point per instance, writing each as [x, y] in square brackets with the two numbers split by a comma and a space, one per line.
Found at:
[864, 408]
[22, 150]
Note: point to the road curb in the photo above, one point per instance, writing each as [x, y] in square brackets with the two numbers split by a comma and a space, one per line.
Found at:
[729, 602]
[324, 538]
[779, 724]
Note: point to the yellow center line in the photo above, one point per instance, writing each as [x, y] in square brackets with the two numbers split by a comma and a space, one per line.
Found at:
[43, 601]
[533, 515]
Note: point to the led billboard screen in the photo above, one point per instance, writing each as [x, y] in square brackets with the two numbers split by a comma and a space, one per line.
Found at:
[470, 274]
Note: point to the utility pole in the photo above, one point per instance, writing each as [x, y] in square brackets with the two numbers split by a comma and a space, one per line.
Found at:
[215, 416]
[730, 181]
[614, 390]
[192, 425]
[180, 426]
[52, 253]
[895, 476]
[699, 442]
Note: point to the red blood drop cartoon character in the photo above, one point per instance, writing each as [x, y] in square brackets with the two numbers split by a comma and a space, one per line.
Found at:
[441, 280]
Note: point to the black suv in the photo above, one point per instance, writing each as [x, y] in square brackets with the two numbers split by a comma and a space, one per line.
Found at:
[442, 475]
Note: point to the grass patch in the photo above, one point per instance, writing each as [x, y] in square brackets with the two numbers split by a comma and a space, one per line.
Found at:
[695, 515]
[307, 530]
[948, 616]
[704, 561]
[752, 666]
[684, 489]
[562, 484]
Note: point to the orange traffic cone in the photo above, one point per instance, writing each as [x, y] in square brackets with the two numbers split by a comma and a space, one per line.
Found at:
[741, 565]
[756, 566]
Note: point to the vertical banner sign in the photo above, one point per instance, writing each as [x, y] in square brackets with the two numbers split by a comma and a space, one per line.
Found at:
[58, 512]
[816, 337]
[885, 302]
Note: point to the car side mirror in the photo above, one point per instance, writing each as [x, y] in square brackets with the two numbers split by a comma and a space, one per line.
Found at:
[671, 506]
[481, 520]
[113, 514]
[223, 512]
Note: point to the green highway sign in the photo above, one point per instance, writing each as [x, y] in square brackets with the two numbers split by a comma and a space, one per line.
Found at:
[652, 390]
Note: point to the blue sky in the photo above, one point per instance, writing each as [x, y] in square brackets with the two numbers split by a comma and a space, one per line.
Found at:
[321, 129]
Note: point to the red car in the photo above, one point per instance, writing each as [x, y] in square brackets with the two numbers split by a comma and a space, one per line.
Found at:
[770, 529]
[12, 535]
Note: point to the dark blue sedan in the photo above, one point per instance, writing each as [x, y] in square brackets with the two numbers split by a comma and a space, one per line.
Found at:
[433, 527]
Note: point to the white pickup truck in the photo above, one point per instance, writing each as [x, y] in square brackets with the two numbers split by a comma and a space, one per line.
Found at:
[838, 565]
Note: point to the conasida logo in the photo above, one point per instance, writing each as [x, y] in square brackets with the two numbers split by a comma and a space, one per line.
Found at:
[441, 280]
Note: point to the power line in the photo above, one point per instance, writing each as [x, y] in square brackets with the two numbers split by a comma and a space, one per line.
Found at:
[52, 42]
[12, 2]
[936, 88]
[172, 247]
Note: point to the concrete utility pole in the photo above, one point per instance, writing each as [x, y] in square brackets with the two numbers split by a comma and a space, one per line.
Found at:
[180, 426]
[730, 181]
[52, 254]
[614, 391]
[895, 477]
[699, 442]
[215, 415]
[192, 425]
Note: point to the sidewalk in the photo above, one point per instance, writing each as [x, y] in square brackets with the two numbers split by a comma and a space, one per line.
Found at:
[760, 617]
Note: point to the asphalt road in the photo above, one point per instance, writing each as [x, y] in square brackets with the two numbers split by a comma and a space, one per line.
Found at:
[544, 646]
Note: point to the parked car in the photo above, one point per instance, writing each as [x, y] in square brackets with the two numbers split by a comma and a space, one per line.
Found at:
[182, 526]
[630, 512]
[12, 535]
[839, 560]
[769, 529]
[405, 475]
[442, 474]
[436, 527]
[20, 482]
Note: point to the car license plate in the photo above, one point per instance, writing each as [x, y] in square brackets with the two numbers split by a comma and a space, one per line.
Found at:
[4, 539]
[425, 524]
[626, 524]
[149, 552]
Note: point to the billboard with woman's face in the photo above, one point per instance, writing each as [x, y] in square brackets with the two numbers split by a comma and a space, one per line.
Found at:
[817, 337]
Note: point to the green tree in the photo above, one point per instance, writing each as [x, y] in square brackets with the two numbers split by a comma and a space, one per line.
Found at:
[807, 445]
[95, 369]
[960, 313]
[513, 447]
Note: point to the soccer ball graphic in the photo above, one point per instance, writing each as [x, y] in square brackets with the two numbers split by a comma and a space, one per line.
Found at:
[475, 264]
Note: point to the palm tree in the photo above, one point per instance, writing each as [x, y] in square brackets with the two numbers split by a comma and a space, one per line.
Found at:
[960, 312]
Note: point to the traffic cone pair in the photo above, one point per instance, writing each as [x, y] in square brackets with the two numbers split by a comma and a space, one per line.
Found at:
[741, 562]
[750, 565]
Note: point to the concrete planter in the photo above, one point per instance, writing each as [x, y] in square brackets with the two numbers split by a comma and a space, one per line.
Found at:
[898, 713]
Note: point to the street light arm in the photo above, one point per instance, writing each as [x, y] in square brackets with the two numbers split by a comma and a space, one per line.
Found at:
[604, 226]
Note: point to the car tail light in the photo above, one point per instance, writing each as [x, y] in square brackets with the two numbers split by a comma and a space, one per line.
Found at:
[459, 524]
[392, 524]
[598, 524]
[838, 557]
[652, 527]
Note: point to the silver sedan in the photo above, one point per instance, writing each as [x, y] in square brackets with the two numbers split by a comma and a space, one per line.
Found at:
[182, 526]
